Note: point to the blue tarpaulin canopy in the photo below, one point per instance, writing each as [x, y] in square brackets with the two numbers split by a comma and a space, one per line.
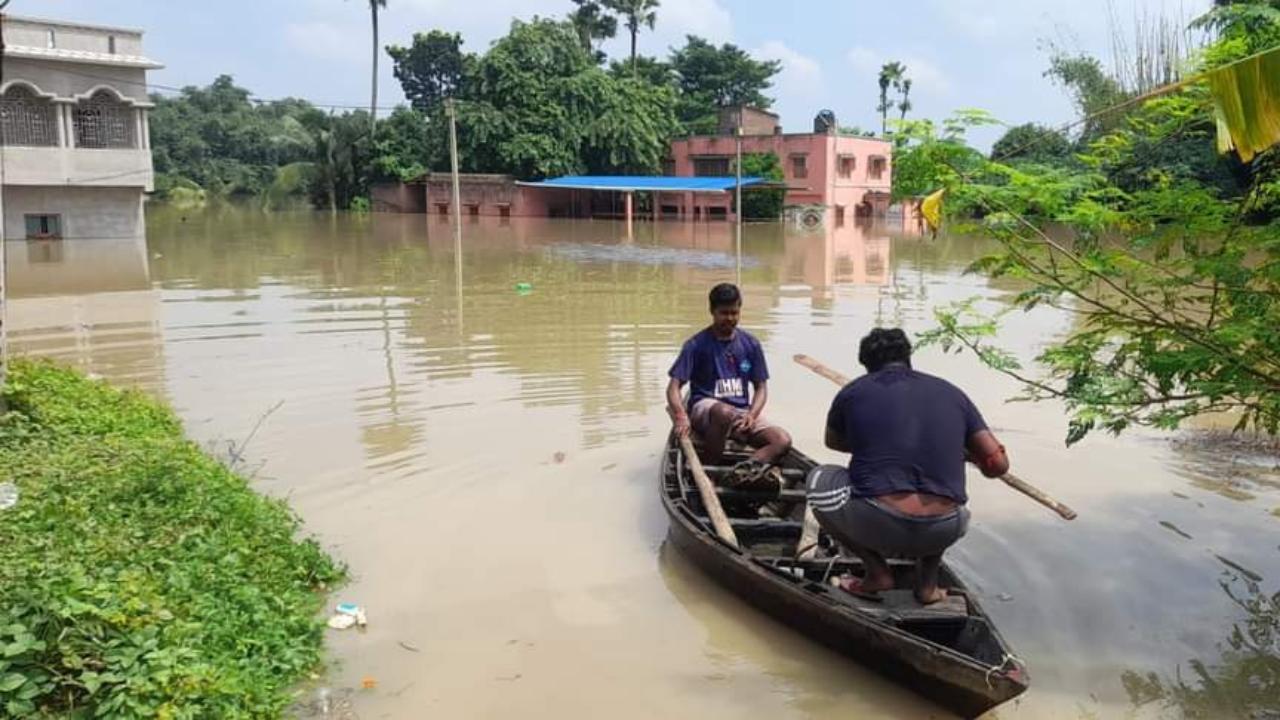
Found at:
[644, 183]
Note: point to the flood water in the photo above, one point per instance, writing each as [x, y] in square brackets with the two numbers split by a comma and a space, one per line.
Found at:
[485, 458]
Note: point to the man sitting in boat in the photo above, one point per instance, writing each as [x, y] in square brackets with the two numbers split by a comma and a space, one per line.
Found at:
[903, 493]
[728, 378]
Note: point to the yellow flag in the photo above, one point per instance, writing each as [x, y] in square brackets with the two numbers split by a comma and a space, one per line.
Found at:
[1247, 96]
[931, 209]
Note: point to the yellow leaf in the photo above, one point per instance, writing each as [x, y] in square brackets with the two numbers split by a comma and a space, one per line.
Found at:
[931, 209]
[1247, 99]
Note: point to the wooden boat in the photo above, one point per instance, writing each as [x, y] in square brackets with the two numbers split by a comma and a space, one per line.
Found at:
[949, 652]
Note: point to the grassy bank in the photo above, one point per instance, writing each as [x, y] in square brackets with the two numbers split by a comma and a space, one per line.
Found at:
[138, 576]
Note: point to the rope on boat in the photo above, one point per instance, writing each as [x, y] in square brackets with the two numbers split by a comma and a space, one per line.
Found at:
[830, 566]
[1003, 667]
[805, 549]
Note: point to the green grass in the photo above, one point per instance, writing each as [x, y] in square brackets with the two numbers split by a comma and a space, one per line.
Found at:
[139, 576]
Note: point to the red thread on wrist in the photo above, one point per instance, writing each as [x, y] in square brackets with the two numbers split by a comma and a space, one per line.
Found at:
[989, 464]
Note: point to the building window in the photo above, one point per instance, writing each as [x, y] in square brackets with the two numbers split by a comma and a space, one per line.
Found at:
[839, 216]
[669, 167]
[105, 123]
[26, 120]
[474, 210]
[51, 39]
[717, 166]
[848, 163]
[504, 211]
[111, 44]
[800, 166]
[442, 208]
[43, 227]
[876, 171]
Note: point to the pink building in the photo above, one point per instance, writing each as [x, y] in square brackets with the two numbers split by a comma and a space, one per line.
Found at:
[852, 176]
[847, 176]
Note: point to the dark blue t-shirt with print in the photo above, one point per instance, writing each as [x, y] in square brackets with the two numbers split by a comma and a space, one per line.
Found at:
[907, 431]
[721, 369]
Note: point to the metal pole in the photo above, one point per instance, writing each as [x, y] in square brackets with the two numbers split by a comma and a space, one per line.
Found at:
[738, 213]
[629, 205]
[4, 278]
[457, 201]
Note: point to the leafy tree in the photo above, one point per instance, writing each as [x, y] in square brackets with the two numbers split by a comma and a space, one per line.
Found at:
[1242, 27]
[217, 138]
[635, 14]
[928, 156]
[1033, 143]
[629, 129]
[342, 158]
[432, 69]
[1177, 297]
[763, 203]
[593, 24]
[650, 70]
[904, 105]
[536, 105]
[406, 147]
[1092, 90]
[710, 78]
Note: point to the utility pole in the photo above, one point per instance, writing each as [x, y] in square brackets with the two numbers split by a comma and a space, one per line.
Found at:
[4, 239]
[738, 214]
[451, 110]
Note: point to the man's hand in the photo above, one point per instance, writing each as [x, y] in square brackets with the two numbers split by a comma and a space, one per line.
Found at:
[745, 424]
[681, 424]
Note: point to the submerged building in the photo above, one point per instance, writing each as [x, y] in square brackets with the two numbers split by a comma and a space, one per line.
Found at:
[74, 136]
[848, 175]
[840, 176]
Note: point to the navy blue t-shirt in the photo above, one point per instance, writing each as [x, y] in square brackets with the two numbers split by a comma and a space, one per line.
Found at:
[907, 431]
[721, 369]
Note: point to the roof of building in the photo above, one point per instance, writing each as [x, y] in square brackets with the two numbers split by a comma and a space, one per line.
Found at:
[30, 20]
[644, 183]
[81, 56]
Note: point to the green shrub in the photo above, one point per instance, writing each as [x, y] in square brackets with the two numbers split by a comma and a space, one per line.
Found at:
[141, 577]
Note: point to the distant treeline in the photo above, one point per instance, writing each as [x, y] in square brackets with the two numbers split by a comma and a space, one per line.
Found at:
[540, 102]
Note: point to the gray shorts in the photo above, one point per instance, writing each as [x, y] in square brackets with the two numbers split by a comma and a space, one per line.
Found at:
[864, 522]
[700, 419]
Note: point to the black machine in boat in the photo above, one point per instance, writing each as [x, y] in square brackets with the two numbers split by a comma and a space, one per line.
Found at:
[949, 652]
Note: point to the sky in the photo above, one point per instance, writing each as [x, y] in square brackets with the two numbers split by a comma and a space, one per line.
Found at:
[986, 54]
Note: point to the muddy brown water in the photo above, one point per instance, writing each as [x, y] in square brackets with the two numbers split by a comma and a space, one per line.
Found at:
[485, 457]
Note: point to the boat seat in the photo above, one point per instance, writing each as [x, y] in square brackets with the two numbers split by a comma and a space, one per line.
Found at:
[904, 603]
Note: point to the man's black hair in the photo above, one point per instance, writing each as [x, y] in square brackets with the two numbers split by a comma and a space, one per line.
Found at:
[882, 347]
[724, 295]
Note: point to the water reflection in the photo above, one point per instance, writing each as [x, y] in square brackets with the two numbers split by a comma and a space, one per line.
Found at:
[89, 303]
[1242, 682]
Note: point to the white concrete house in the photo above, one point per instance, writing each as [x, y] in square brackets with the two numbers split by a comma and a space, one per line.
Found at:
[73, 130]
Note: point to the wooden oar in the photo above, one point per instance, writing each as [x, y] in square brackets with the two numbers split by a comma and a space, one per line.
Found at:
[1009, 479]
[707, 490]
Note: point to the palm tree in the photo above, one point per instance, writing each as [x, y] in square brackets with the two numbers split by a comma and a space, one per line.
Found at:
[635, 13]
[905, 104]
[592, 24]
[374, 7]
[890, 74]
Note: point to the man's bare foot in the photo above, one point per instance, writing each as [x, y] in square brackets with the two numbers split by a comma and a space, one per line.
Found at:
[931, 596]
[865, 586]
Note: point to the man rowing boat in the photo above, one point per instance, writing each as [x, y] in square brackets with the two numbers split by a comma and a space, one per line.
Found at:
[728, 378]
[903, 493]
